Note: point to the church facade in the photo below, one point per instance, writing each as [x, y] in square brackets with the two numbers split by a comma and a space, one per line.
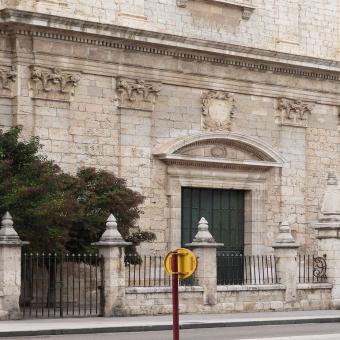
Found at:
[227, 110]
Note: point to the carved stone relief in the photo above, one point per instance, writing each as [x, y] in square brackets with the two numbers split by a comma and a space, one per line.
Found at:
[220, 150]
[246, 8]
[137, 94]
[52, 84]
[218, 109]
[293, 112]
[7, 79]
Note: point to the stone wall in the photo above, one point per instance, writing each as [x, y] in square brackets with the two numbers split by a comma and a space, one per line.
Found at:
[157, 300]
[94, 122]
[90, 125]
[300, 27]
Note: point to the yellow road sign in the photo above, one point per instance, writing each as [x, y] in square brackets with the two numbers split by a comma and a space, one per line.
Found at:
[187, 262]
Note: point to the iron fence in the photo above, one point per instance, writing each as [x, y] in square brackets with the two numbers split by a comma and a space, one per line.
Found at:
[58, 285]
[148, 271]
[239, 269]
[312, 268]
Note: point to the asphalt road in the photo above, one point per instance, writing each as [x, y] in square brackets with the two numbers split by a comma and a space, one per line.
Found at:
[330, 331]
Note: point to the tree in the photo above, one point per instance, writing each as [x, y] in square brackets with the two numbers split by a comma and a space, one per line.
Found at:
[56, 211]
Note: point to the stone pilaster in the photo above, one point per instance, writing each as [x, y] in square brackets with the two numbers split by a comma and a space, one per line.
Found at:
[111, 247]
[204, 247]
[285, 249]
[328, 235]
[10, 269]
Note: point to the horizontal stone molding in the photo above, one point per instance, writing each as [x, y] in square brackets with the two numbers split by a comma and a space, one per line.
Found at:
[200, 81]
[312, 286]
[236, 288]
[160, 290]
[114, 36]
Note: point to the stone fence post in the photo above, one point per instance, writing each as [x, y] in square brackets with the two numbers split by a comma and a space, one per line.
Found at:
[285, 249]
[328, 236]
[10, 269]
[111, 247]
[204, 247]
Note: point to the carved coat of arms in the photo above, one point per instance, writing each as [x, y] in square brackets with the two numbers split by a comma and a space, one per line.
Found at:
[218, 109]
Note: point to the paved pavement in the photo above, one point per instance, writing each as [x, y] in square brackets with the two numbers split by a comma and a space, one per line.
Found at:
[160, 323]
[326, 331]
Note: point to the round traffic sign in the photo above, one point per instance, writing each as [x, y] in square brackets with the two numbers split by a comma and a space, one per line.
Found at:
[187, 262]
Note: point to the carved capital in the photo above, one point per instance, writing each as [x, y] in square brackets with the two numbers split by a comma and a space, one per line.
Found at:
[7, 79]
[293, 112]
[218, 109]
[52, 84]
[137, 94]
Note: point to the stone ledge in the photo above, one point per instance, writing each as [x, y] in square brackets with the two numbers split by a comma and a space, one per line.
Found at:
[160, 290]
[314, 286]
[242, 56]
[250, 288]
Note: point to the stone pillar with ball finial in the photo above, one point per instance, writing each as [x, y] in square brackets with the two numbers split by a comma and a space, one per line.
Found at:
[10, 269]
[111, 247]
[204, 247]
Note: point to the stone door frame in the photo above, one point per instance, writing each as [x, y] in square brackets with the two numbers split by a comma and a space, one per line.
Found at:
[220, 172]
[254, 185]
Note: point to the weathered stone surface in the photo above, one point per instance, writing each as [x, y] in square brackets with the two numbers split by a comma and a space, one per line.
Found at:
[269, 86]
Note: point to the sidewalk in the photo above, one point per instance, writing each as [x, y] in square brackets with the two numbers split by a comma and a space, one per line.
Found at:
[153, 323]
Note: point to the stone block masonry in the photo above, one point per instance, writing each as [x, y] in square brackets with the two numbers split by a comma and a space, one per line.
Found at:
[184, 94]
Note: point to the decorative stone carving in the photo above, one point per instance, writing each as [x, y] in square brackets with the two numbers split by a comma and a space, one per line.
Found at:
[7, 79]
[7, 231]
[137, 94]
[226, 150]
[218, 151]
[293, 112]
[182, 3]
[203, 235]
[218, 109]
[246, 13]
[52, 84]
[285, 235]
[245, 6]
[330, 207]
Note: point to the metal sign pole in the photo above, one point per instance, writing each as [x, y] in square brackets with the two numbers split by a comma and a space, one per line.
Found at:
[175, 311]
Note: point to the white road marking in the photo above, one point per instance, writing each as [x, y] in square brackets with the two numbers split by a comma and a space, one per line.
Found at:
[303, 337]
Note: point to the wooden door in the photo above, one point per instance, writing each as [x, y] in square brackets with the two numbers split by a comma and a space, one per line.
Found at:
[224, 211]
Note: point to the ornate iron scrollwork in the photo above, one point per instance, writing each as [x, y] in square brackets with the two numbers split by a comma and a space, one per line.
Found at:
[320, 268]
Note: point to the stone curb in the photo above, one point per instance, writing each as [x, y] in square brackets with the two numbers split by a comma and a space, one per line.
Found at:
[167, 326]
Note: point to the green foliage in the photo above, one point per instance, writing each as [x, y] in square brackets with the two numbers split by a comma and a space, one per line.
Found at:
[57, 211]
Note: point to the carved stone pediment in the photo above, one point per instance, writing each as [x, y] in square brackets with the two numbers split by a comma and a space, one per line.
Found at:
[218, 109]
[220, 150]
[52, 84]
[215, 149]
[137, 94]
[8, 77]
[293, 112]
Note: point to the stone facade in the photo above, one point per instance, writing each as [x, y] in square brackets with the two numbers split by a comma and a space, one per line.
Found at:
[240, 95]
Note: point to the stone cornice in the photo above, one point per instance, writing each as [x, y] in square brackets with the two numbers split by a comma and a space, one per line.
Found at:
[61, 28]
